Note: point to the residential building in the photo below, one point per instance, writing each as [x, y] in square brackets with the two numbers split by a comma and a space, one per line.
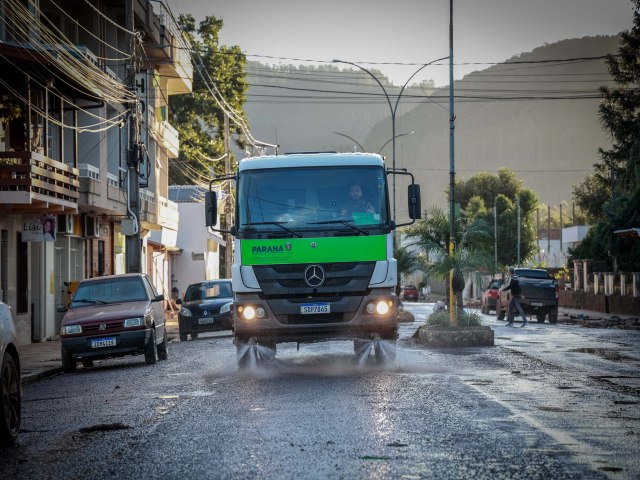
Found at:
[72, 79]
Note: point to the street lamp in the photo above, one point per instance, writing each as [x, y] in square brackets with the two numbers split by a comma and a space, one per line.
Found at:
[394, 109]
[383, 145]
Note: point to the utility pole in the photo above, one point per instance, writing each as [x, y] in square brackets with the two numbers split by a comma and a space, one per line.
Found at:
[131, 227]
[228, 250]
[453, 317]
[518, 223]
[495, 235]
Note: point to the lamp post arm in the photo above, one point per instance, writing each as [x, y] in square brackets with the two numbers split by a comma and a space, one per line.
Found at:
[384, 90]
[397, 136]
[352, 139]
[409, 79]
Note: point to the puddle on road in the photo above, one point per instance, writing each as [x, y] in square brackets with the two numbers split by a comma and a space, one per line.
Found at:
[607, 354]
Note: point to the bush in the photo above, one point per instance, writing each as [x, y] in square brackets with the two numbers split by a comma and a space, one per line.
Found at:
[465, 319]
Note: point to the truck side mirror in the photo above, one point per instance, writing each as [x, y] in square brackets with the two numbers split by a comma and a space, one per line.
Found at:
[415, 210]
[210, 208]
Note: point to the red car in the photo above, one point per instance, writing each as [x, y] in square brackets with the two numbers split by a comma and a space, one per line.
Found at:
[490, 295]
[409, 292]
[113, 316]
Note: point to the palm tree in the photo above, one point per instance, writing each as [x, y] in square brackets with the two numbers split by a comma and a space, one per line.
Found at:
[408, 261]
[432, 234]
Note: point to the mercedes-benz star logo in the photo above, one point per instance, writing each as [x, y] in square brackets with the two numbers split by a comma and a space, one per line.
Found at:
[314, 275]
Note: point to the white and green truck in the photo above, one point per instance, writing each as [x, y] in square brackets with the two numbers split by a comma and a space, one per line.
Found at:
[311, 261]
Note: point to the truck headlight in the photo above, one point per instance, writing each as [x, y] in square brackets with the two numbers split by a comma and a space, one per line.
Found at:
[381, 307]
[72, 329]
[185, 312]
[249, 313]
[133, 322]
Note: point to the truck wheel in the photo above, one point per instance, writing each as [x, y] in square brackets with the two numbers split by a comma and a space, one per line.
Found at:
[244, 354]
[267, 352]
[499, 312]
[553, 316]
[359, 346]
[151, 349]
[385, 351]
[68, 362]
[540, 317]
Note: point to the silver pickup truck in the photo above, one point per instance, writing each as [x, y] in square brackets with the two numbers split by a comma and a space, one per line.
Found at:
[539, 295]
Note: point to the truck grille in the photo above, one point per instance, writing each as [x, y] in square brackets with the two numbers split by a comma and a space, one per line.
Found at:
[351, 277]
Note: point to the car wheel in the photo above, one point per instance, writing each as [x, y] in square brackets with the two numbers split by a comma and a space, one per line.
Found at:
[68, 362]
[10, 401]
[483, 309]
[183, 337]
[163, 351]
[87, 363]
[499, 312]
[194, 336]
[540, 317]
[151, 349]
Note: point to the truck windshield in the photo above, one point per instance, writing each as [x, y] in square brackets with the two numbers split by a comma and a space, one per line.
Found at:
[313, 199]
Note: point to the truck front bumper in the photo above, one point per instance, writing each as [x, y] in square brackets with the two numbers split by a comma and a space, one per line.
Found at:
[349, 317]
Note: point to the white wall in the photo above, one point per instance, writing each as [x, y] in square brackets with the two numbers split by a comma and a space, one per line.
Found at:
[192, 240]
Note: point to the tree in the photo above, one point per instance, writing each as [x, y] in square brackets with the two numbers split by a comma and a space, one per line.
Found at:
[611, 194]
[198, 117]
[408, 261]
[432, 234]
[483, 192]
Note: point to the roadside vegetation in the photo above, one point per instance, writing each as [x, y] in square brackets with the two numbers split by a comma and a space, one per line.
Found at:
[611, 194]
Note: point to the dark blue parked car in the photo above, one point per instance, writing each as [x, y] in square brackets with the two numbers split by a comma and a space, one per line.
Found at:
[206, 307]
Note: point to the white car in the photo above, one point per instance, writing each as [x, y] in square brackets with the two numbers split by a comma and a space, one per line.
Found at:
[10, 385]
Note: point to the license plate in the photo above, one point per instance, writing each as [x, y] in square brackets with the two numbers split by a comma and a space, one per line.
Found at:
[536, 304]
[103, 342]
[204, 321]
[312, 308]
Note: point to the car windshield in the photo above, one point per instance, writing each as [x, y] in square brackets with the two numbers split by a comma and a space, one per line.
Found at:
[495, 284]
[204, 291]
[290, 201]
[113, 290]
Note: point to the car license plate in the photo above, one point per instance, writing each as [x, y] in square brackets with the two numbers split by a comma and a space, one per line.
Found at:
[536, 304]
[204, 321]
[312, 308]
[103, 342]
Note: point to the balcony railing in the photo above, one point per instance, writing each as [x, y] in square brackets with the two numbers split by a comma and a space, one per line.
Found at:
[168, 215]
[30, 177]
[169, 138]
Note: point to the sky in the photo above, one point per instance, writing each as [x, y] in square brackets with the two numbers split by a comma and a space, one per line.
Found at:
[380, 33]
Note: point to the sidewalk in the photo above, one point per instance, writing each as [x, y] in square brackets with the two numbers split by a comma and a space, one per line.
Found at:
[43, 359]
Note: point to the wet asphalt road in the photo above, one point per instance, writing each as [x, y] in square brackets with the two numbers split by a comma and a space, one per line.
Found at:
[549, 401]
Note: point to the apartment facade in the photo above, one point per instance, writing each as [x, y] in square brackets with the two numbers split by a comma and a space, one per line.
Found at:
[71, 77]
